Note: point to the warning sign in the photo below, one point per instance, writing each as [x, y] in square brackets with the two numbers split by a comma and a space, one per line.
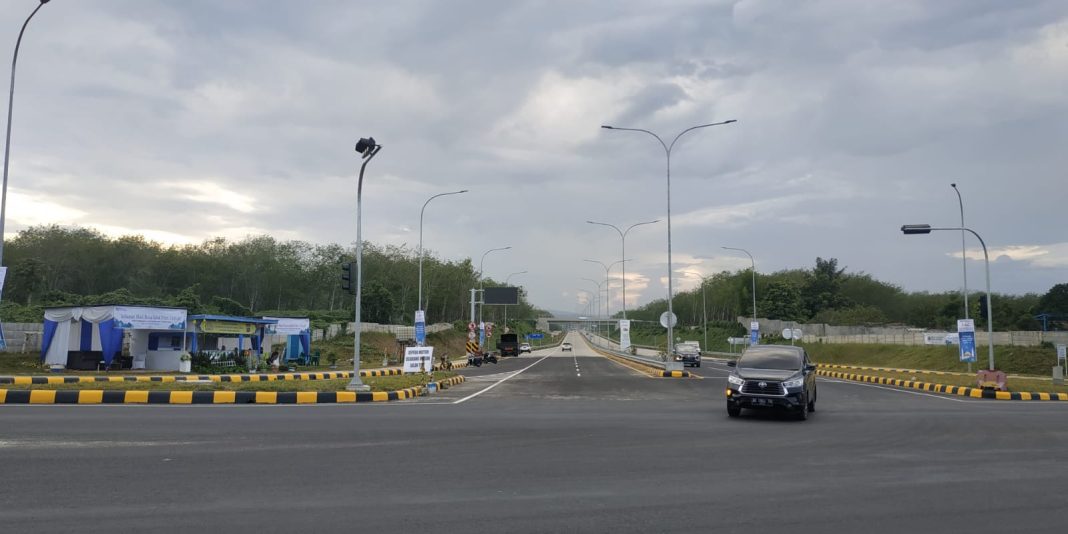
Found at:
[472, 347]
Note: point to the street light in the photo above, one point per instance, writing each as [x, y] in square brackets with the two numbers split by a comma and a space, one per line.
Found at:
[7, 142]
[623, 239]
[667, 152]
[916, 229]
[480, 284]
[506, 280]
[754, 275]
[963, 251]
[368, 148]
[419, 303]
[598, 299]
[704, 310]
[607, 269]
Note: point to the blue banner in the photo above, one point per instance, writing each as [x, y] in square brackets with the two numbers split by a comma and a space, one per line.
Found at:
[420, 327]
[754, 333]
[481, 334]
[966, 339]
[535, 336]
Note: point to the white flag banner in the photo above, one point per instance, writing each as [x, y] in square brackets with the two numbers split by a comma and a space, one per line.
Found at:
[624, 334]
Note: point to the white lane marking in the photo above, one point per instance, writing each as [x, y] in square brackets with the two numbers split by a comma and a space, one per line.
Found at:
[503, 380]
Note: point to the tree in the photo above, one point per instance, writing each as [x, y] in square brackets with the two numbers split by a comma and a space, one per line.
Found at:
[782, 300]
[823, 289]
[1055, 300]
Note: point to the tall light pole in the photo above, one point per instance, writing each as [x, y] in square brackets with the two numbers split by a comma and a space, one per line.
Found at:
[507, 279]
[480, 284]
[704, 309]
[367, 148]
[419, 303]
[667, 153]
[7, 142]
[598, 299]
[914, 229]
[754, 275]
[607, 270]
[623, 240]
[963, 251]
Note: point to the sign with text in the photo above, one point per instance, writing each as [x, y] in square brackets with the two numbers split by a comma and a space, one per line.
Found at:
[1062, 352]
[624, 334]
[754, 332]
[501, 295]
[288, 326]
[420, 327]
[141, 318]
[418, 359]
[966, 338]
[209, 326]
[535, 336]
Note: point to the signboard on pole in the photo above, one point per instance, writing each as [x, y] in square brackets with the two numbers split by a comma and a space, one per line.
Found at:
[668, 320]
[624, 334]
[1062, 353]
[418, 359]
[481, 334]
[966, 337]
[754, 332]
[420, 327]
[536, 336]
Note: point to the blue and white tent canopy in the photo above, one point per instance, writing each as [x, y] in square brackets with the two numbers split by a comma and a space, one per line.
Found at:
[101, 328]
[298, 334]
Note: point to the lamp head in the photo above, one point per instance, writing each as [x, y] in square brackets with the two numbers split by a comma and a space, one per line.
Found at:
[911, 229]
[365, 145]
[606, 127]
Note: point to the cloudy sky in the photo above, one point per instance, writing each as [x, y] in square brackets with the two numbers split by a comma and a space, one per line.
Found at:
[183, 120]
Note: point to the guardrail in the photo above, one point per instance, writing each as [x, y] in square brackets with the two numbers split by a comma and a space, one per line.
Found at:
[605, 346]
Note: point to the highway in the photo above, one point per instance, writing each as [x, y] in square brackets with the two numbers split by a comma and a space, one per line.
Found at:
[548, 442]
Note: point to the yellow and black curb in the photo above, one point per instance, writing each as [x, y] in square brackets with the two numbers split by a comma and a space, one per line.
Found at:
[672, 374]
[892, 370]
[962, 391]
[41, 396]
[648, 368]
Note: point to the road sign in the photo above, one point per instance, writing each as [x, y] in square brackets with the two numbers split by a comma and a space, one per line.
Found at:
[535, 336]
[787, 333]
[666, 317]
[471, 336]
[796, 333]
[966, 338]
[754, 332]
[472, 347]
[418, 359]
[471, 327]
[1062, 352]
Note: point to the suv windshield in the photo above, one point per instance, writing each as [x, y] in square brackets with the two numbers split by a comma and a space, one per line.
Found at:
[784, 360]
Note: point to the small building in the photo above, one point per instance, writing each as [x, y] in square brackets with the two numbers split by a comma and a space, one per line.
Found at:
[88, 337]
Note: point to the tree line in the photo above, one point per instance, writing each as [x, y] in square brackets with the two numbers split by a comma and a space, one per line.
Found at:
[829, 294]
[258, 275]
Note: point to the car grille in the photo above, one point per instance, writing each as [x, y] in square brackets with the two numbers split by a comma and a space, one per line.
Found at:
[753, 387]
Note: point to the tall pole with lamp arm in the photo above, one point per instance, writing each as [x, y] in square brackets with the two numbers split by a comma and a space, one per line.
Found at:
[367, 148]
[419, 303]
[623, 254]
[667, 153]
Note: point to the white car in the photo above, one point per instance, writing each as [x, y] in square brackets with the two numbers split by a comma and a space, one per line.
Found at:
[524, 347]
[565, 346]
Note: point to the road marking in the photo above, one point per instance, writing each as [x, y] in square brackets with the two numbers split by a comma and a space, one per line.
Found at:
[503, 380]
[900, 390]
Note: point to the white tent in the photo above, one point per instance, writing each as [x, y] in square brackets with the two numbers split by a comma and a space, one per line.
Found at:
[156, 340]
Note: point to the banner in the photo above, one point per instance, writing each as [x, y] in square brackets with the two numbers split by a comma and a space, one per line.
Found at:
[754, 332]
[209, 326]
[418, 359]
[624, 334]
[420, 327]
[940, 338]
[966, 336]
[288, 326]
[138, 318]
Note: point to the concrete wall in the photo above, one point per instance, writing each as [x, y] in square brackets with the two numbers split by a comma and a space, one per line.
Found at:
[23, 337]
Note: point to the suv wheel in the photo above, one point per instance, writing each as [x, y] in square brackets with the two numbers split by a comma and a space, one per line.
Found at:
[733, 411]
[812, 404]
[802, 414]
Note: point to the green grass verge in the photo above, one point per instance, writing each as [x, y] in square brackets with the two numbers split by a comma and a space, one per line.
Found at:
[1013, 360]
[377, 383]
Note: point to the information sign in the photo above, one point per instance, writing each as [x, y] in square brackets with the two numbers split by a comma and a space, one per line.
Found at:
[418, 359]
[966, 338]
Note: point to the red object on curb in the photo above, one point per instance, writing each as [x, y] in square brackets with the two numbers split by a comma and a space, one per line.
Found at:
[987, 378]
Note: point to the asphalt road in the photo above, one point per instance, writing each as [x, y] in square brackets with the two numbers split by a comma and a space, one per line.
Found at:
[549, 442]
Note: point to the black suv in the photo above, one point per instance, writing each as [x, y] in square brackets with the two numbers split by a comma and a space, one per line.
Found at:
[772, 377]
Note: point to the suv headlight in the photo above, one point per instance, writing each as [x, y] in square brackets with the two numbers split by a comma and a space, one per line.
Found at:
[795, 382]
[735, 380]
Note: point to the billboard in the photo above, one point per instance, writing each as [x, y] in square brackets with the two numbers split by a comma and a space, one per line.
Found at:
[501, 295]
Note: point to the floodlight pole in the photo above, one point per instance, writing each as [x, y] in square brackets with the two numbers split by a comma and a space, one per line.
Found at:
[368, 154]
[667, 153]
[910, 229]
[7, 141]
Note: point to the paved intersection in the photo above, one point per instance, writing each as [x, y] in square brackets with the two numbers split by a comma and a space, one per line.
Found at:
[549, 442]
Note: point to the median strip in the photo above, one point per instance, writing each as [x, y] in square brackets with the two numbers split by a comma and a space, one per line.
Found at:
[962, 391]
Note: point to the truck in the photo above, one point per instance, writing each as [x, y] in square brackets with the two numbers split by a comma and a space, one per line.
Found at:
[508, 345]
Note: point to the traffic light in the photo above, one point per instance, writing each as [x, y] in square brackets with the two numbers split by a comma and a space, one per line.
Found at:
[982, 306]
[347, 283]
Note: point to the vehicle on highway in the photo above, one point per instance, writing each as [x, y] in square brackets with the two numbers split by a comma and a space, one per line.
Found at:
[524, 347]
[689, 353]
[489, 357]
[565, 346]
[778, 377]
[508, 345]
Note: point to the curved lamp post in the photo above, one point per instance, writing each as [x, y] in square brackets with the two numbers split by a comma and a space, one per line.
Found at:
[963, 251]
[480, 285]
[623, 240]
[914, 229]
[667, 152]
[754, 275]
[7, 142]
[367, 148]
[506, 280]
[419, 303]
[607, 270]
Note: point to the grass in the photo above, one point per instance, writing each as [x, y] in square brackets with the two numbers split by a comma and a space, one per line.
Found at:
[1013, 360]
[1013, 384]
[377, 383]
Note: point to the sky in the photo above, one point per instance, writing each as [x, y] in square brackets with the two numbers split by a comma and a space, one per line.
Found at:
[187, 120]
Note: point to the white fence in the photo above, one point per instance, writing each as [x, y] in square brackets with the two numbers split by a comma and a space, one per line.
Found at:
[896, 335]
